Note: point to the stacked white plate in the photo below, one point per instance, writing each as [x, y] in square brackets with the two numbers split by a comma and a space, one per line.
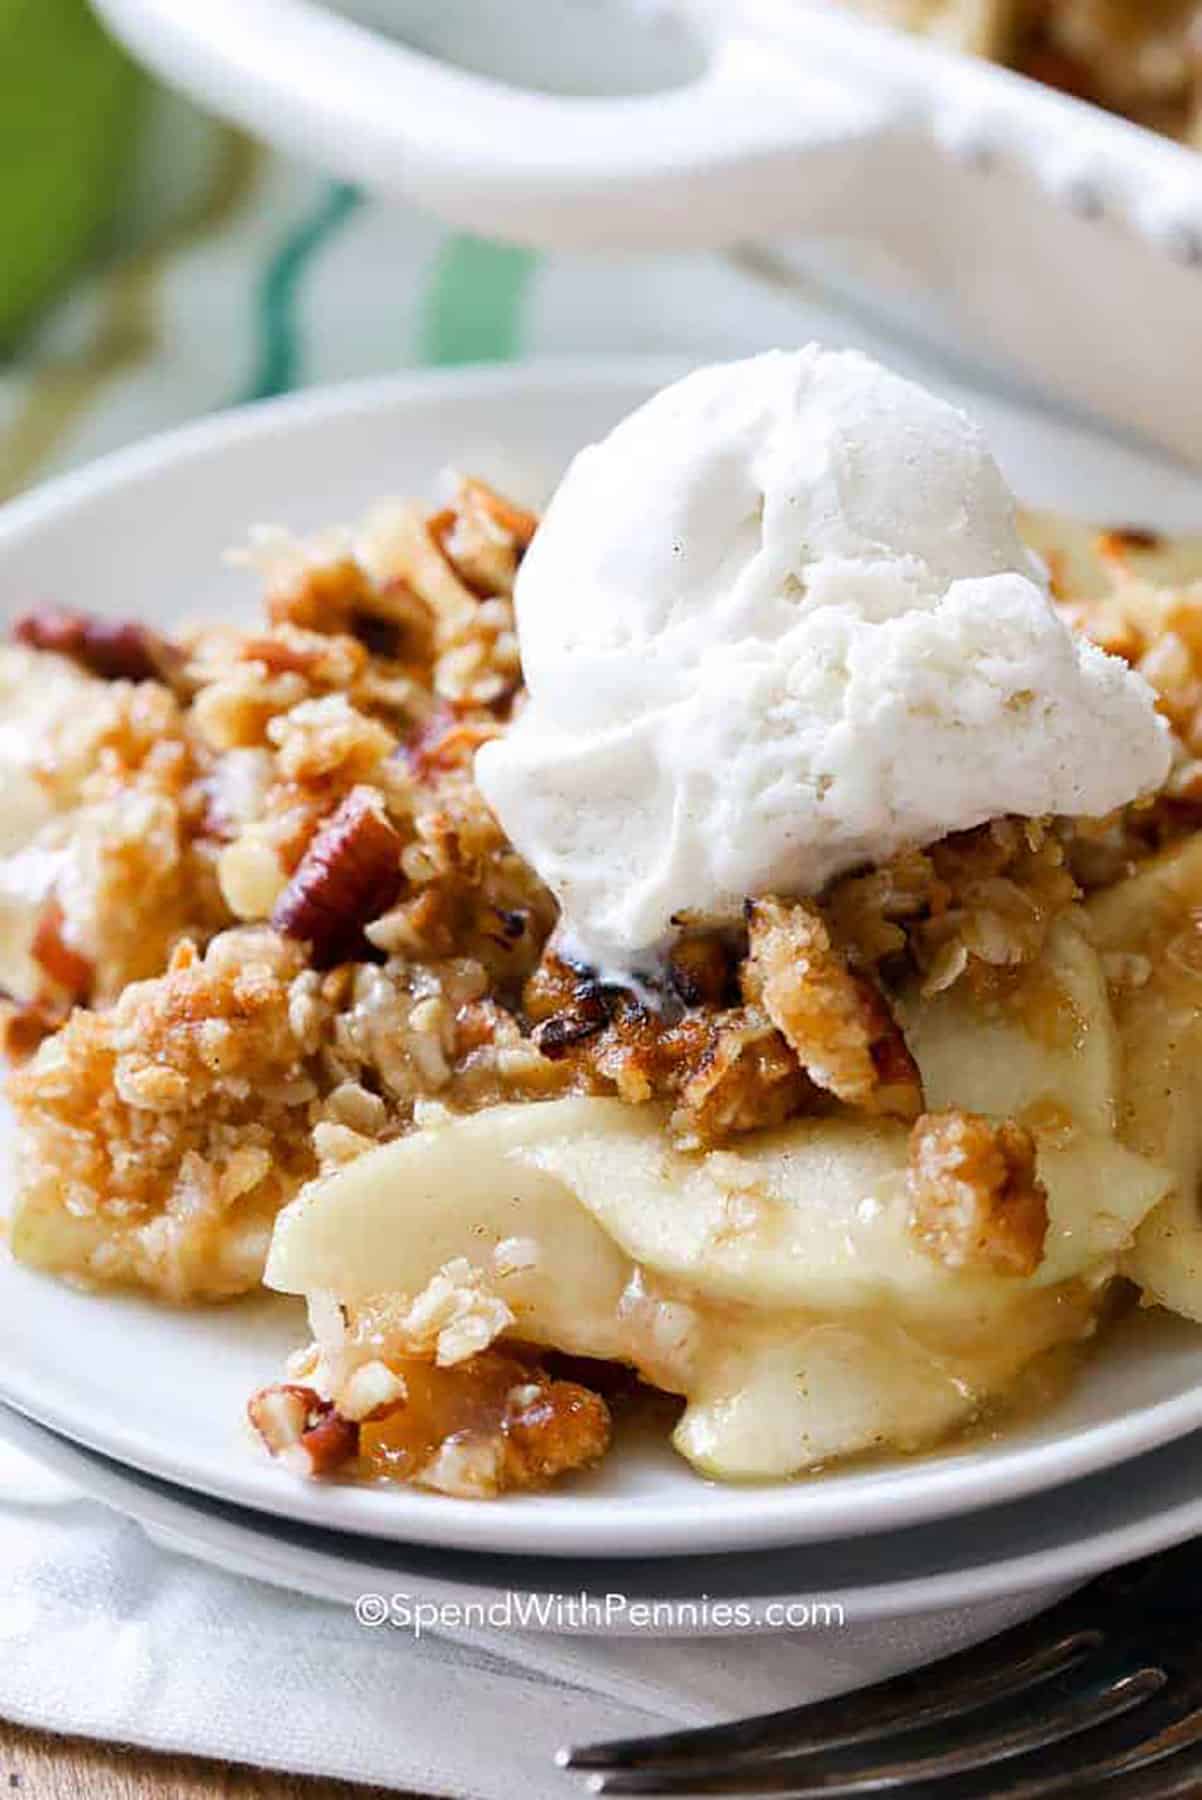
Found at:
[145, 1405]
[996, 1566]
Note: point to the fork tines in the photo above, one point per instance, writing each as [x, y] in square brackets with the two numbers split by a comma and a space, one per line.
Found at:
[1101, 1694]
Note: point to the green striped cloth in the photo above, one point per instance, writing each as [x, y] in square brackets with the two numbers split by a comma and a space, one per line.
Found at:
[239, 275]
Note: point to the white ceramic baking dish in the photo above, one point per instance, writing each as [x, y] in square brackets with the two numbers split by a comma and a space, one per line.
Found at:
[1039, 230]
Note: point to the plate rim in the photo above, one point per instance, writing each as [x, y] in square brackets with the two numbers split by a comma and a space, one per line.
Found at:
[766, 1517]
[175, 1511]
[938, 1489]
[250, 420]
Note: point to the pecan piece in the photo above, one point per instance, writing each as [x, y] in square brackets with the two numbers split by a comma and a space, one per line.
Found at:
[446, 742]
[281, 1414]
[114, 649]
[590, 1012]
[976, 1200]
[837, 1023]
[552, 987]
[327, 1446]
[347, 877]
[24, 1025]
[281, 655]
[302, 1430]
[728, 1069]
[517, 521]
[745, 1079]
[483, 537]
[551, 1427]
[62, 962]
[699, 970]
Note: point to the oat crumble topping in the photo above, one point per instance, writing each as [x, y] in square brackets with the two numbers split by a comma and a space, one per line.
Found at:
[288, 926]
[415, 1391]
[976, 1201]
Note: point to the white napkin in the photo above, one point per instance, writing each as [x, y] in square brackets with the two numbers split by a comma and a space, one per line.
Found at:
[105, 1635]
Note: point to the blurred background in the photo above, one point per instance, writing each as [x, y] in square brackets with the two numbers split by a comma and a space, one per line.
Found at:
[156, 265]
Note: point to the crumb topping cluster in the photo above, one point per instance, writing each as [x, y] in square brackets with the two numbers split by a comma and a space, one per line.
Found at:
[301, 931]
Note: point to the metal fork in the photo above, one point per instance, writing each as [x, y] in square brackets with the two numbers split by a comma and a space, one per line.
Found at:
[1101, 1695]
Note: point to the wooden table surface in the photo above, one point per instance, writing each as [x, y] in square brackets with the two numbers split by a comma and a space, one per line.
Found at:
[35, 1766]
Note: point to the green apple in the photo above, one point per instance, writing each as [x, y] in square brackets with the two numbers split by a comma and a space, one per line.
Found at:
[68, 116]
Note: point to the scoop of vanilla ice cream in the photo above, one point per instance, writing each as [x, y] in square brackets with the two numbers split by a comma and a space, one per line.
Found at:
[781, 623]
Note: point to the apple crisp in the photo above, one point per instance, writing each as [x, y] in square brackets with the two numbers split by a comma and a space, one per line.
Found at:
[256, 923]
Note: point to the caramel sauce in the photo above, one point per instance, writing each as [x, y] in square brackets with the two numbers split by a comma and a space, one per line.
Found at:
[1042, 1005]
[469, 1400]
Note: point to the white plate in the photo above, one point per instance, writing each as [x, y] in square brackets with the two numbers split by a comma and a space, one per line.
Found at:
[164, 1390]
[997, 1565]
